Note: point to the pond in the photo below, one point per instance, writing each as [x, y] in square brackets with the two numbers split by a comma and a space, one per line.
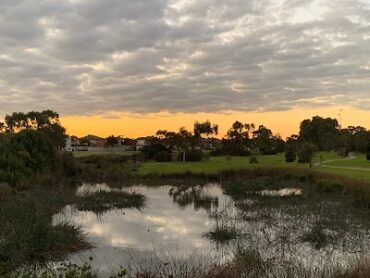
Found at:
[201, 224]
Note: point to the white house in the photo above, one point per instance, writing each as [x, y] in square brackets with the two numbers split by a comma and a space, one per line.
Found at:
[142, 142]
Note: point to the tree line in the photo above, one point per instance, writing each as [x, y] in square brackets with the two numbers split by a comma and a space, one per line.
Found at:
[243, 139]
[30, 142]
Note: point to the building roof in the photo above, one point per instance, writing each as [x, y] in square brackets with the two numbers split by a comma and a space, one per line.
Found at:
[91, 137]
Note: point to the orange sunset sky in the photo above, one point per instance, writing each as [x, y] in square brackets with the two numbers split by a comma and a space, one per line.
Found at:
[283, 122]
[111, 67]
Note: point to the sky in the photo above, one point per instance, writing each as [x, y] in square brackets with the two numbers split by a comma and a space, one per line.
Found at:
[130, 68]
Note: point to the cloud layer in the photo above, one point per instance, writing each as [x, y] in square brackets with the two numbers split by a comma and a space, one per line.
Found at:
[91, 56]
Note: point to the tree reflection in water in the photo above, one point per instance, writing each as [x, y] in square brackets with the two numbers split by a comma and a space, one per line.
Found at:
[197, 195]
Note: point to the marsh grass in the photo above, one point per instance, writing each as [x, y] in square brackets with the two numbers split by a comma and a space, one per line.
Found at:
[102, 201]
[318, 236]
[106, 168]
[222, 233]
[5, 191]
[27, 233]
[247, 263]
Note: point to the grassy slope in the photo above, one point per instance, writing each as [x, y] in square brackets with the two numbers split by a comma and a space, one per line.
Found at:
[216, 164]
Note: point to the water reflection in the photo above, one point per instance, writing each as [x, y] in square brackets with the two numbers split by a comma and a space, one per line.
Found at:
[176, 219]
[165, 223]
[199, 196]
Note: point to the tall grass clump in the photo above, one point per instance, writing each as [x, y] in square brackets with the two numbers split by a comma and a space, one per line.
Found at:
[106, 168]
[102, 201]
[29, 237]
[27, 233]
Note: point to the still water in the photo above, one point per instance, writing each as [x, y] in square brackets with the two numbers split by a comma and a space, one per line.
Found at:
[174, 224]
[167, 225]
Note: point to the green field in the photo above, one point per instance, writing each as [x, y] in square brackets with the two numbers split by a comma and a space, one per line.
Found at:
[213, 165]
[357, 167]
[216, 164]
[358, 162]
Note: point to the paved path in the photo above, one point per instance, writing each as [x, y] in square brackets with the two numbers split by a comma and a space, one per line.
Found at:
[350, 157]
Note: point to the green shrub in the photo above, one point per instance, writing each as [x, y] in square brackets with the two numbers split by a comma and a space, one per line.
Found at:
[163, 156]
[151, 151]
[191, 155]
[26, 154]
[253, 160]
[69, 164]
[290, 156]
[305, 153]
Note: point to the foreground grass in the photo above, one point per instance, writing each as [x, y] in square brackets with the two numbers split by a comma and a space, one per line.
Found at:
[246, 263]
[27, 232]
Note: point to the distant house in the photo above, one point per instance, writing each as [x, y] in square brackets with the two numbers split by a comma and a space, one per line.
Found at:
[210, 143]
[94, 141]
[72, 144]
[142, 142]
[128, 144]
[68, 144]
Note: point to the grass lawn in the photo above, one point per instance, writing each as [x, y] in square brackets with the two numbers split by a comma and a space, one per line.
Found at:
[213, 165]
[216, 164]
[105, 152]
[360, 162]
[324, 156]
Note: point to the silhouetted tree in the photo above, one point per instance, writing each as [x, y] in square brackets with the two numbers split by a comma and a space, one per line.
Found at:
[266, 142]
[112, 141]
[321, 132]
[204, 128]
[238, 139]
[46, 121]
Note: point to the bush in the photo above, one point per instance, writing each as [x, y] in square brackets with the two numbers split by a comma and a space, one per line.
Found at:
[26, 154]
[290, 156]
[217, 152]
[69, 164]
[191, 155]
[163, 156]
[253, 160]
[138, 157]
[368, 151]
[151, 151]
[305, 153]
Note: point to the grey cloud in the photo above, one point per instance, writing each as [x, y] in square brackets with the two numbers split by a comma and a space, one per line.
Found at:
[86, 57]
